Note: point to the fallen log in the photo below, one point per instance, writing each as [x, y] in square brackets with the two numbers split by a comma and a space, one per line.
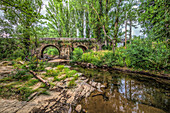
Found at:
[35, 75]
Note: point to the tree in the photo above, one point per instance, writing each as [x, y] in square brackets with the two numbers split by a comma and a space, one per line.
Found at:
[154, 18]
[26, 14]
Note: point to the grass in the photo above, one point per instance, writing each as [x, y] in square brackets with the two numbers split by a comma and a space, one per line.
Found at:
[21, 93]
[20, 86]
[72, 83]
[32, 82]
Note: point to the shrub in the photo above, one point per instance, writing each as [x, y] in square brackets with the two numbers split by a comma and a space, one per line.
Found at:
[60, 67]
[77, 54]
[52, 72]
[72, 83]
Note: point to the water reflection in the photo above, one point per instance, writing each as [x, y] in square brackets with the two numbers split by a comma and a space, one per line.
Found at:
[126, 93]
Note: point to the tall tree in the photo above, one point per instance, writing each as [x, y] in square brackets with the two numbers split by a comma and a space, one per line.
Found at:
[154, 18]
[25, 13]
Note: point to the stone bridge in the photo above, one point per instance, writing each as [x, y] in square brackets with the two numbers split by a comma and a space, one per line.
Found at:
[66, 46]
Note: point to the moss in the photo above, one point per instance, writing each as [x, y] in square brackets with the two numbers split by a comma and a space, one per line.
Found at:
[76, 77]
[50, 73]
[56, 79]
[25, 92]
[60, 67]
[6, 79]
[32, 82]
[43, 85]
[21, 93]
[72, 83]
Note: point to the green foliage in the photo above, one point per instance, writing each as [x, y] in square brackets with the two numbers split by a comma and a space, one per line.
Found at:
[56, 78]
[60, 67]
[76, 77]
[25, 92]
[20, 74]
[77, 54]
[99, 58]
[154, 18]
[140, 54]
[35, 64]
[32, 82]
[9, 49]
[146, 54]
[22, 93]
[109, 58]
[60, 70]
[52, 72]
[72, 83]
[51, 51]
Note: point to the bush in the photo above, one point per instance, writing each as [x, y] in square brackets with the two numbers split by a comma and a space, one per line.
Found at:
[140, 54]
[146, 54]
[77, 54]
[51, 51]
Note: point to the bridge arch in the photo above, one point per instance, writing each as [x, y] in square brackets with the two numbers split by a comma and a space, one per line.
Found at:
[45, 46]
[83, 47]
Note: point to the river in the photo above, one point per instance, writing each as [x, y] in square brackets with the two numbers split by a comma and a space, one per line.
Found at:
[125, 93]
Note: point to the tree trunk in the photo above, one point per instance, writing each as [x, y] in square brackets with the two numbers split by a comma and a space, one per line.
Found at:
[125, 33]
[106, 23]
[87, 25]
[116, 29]
[130, 34]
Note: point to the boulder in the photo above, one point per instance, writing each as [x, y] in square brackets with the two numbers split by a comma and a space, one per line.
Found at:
[78, 108]
[48, 68]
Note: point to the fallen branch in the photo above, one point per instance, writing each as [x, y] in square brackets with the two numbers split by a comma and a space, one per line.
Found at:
[36, 76]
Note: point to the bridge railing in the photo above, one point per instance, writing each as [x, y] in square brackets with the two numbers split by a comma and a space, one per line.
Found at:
[68, 39]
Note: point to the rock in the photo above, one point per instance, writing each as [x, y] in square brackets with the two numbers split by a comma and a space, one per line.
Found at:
[48, 68]
[61, 76]
[102, 86]
[85, 80]
[5, 71]
[68, 79]
[67, 66]
[98, 85]
[79, 74]
[87, 94]
[42, 73]
[70, 100]
[94, 84]
[78, 108]
[33, 95]
[54, 68]
[82, 78]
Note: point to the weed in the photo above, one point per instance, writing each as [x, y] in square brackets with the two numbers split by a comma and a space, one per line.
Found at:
[56, 79]
[76, 77]
[60, 67]
[72, 83]
[32, 82]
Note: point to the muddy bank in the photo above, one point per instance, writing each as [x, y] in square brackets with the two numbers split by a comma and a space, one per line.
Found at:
[159, 77]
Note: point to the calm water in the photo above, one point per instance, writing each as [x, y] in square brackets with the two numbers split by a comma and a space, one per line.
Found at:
[125, 93]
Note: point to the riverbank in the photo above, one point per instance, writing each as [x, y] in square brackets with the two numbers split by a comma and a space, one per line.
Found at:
[24, 95]
[158, 76]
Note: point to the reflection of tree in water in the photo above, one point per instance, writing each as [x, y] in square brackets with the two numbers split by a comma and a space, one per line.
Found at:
[126, 92]
[144, 92]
